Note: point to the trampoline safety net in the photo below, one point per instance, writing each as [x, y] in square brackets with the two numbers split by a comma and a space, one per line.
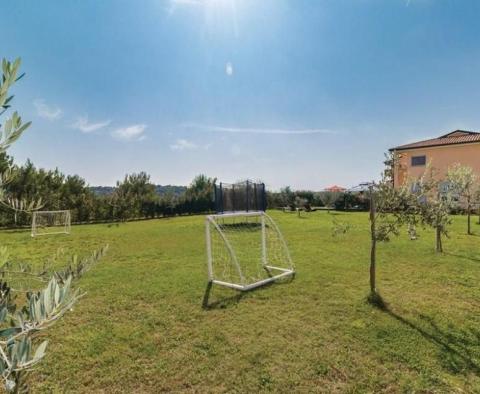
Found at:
[244, 196]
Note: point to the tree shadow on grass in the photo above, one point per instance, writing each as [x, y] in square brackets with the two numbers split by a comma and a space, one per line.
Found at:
[459, 349]
[460, 256]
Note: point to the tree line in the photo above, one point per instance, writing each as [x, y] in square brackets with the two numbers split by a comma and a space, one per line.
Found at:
[134, 197]
[308, 200]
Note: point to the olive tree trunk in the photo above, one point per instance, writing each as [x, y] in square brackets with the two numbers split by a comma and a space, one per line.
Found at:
[469, 224]
[438, 239]
[373, 245]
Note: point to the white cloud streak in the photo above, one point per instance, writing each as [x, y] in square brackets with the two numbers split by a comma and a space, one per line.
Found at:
[183, 144]
[85, 126]
[259, 130]
[46, 111]
[130, 133]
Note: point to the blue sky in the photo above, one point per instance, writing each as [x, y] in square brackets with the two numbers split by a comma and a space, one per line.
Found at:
[301, 93]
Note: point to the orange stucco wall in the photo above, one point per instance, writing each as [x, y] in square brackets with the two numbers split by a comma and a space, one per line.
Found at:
[440, 157]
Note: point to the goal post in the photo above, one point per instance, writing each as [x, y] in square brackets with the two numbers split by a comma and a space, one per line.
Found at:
[245, 250]
[51, 222]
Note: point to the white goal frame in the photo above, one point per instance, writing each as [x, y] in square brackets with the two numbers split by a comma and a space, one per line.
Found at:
[244, 285]
[60, 229]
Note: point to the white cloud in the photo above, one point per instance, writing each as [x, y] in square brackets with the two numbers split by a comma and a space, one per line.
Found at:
[182, 144]
[84, 126]
[259, 130]
[47, 111]
[229, 69]
[130, 133]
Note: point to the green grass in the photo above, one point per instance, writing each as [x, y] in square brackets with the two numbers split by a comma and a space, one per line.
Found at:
[141, 326]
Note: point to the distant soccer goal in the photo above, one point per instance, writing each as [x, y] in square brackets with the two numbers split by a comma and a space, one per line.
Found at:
[246, 250]
[51, 222]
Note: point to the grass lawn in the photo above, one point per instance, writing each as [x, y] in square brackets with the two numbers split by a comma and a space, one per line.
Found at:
[141, 327]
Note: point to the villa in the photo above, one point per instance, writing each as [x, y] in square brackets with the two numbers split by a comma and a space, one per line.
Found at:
[458, 146]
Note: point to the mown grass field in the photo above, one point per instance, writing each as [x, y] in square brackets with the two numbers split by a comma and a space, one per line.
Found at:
[141, 327]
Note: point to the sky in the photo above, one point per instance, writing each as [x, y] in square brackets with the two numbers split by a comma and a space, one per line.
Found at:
[306, 93]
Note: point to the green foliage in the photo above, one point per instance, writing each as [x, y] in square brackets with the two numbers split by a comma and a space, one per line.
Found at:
[20, 327]
[199, 195]
[301, 203]
[395, 207]
[462, 181]
[339, 201]
[329, 198]
[390, 208]
[13, 127]
[18, 330]
[286, 197]
[434, 201]
[75, 267]
[464, 184]
[353, 201]
[339, 227]
[133, 198]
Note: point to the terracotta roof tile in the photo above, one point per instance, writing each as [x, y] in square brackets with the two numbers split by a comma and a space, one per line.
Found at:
[452, 138]
[335, 188]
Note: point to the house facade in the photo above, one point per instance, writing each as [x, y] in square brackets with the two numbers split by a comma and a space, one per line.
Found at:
[458, 146]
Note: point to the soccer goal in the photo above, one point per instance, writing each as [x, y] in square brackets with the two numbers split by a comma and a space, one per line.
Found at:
[50, 222]
[246, 250]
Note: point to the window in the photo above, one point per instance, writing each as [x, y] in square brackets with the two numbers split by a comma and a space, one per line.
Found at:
[419, 160]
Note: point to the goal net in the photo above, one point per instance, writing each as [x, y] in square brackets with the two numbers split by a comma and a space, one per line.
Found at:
[245, 250]
[50, 222]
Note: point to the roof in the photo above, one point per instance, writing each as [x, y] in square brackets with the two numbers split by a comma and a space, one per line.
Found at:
[452, 138]
[335, 188]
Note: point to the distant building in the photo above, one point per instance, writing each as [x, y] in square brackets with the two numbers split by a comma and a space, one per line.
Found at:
[335, 189]
[458, 146]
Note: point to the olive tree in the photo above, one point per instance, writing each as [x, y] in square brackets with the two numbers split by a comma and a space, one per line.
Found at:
[390, 209]
[463, 183]
[300, 204]
[287, 197]
[435, 200]
[20, 327]
[329, 198]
